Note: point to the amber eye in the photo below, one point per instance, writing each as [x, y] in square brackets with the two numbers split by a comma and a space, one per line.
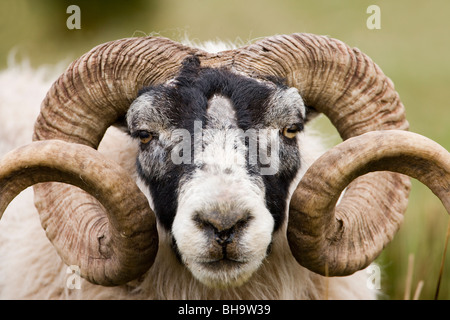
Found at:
[145, 136]
[291, 131]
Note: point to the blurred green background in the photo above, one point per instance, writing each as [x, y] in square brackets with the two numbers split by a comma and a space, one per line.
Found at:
[412, 47]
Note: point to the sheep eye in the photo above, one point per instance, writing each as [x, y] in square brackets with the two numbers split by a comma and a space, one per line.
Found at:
[145, 136]
[291, 131]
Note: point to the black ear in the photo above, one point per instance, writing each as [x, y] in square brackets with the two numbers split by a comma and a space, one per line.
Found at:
[311, 113]
[190, 68]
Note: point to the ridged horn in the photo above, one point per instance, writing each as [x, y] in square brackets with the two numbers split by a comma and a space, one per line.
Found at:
[352, 91]
[118, 243]
[317, 245]
[91, 95]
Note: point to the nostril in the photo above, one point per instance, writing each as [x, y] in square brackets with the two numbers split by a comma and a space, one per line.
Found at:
[221, 227]
[224, 237]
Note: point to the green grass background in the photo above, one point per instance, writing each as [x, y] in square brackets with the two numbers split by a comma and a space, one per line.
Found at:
[412, 47]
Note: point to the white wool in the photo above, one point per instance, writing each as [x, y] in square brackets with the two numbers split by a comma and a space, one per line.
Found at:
[31, 269]
[210, 46]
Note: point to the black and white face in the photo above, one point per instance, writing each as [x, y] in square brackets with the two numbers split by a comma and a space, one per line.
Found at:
[219, 153]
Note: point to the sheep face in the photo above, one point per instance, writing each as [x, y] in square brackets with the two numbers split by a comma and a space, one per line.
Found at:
[219, 153]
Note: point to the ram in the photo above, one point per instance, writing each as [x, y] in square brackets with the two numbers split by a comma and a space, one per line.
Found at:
[205, 191]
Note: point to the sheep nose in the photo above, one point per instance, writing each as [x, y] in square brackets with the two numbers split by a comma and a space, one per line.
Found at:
[222, 227]
[224, 237]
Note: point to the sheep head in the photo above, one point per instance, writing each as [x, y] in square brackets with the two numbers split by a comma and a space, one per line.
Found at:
[218, 152]
[117, 242]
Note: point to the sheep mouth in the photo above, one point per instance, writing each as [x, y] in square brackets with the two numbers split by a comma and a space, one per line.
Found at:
[223, 264]
[224, 273]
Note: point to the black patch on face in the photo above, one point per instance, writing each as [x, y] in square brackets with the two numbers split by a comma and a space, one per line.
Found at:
[277, 187]
[184, 101]
[166, 190]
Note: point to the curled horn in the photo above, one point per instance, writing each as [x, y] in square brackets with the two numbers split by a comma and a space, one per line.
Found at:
[326, 238]
[111, 244]
[352, 91]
